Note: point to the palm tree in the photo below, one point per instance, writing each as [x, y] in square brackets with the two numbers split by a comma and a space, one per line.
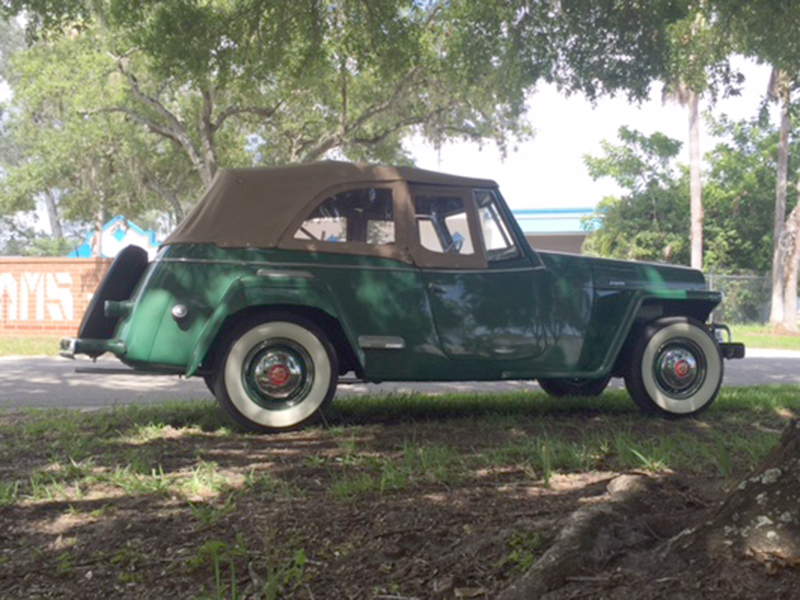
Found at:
[686, 96]
[780, 88]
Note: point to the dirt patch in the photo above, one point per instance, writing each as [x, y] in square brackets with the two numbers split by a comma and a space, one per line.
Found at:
[388, 510]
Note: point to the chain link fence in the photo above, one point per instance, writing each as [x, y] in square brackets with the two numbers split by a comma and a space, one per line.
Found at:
[746, 298]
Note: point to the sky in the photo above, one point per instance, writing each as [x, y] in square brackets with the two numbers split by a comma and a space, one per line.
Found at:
[548, 171]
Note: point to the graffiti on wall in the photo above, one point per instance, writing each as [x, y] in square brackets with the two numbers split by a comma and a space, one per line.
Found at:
[36, 297]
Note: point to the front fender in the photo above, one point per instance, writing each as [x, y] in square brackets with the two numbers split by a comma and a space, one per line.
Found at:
[276, 289]
[606, 341]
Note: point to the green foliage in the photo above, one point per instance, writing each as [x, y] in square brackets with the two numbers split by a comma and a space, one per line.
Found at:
[699, 56]
[274, 82]
[595, 47]
[66, 146]
[125, 106]
[740, 194]
[745, 298]
[764, 30]
[115, 113]
[523, 547]
[651, 221]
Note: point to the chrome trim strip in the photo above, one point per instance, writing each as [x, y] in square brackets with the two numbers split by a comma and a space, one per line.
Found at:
[381, 342]
[274, 265]
[276, 274]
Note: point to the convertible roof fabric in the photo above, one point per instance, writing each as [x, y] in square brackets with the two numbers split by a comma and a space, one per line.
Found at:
[253, 207]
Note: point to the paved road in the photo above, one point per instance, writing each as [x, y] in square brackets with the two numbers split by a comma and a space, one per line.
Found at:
[52, 382]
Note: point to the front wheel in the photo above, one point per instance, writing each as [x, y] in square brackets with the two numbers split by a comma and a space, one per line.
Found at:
[574, 387]
[276, 374]
[676, 368]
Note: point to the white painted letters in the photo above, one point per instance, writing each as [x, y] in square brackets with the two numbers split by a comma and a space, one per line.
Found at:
[49, 295]
[8, 297]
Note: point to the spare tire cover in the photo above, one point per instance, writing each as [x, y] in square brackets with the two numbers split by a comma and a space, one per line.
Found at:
[118, 284]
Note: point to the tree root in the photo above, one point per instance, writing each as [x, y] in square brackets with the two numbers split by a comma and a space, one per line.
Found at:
[586, 537]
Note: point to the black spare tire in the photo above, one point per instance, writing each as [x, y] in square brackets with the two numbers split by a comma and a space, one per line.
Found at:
[118, 284]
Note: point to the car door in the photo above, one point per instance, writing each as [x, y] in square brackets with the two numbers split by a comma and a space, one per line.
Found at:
[480, 284]
[358, 247]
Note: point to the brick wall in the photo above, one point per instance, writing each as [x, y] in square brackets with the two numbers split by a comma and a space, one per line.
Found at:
[46, 296]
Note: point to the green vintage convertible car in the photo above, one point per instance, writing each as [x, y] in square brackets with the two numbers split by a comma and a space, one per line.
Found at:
[283, 279]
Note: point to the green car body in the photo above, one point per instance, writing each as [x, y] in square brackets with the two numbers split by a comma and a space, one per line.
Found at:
[408, 301]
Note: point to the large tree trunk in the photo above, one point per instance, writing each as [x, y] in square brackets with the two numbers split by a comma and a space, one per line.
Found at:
[695, 184]
[207, 132]
[52, 215]
[792, 265]
[760, 518]
[782, 91]
[97, 240]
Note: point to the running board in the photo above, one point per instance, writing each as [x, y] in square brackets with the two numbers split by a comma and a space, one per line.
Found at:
[121, 371]
[129, 371]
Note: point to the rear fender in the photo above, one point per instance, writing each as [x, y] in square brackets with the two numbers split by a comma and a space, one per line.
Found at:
[260, 292]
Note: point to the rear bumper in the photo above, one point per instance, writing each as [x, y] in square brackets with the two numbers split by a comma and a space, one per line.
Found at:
[70, 347]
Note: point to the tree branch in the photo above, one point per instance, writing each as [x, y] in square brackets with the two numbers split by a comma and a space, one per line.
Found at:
[138, 117]
[172, 125]
[232, 111]
[207, 131]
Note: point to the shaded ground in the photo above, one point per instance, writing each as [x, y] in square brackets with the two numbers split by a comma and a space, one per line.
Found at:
[401, 502]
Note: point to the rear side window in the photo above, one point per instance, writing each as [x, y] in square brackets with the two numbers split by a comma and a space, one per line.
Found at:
[364, 215]
[443, 224]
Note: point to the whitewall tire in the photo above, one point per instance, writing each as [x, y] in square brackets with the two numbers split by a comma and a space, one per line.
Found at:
[276, 374]
[676, 368]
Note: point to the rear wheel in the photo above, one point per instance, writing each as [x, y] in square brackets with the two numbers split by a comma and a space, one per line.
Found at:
[676, 368]
[574, 387]
[276, 374]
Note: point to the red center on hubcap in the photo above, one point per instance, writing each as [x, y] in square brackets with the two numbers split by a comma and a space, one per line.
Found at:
[278, 375]
[682, 368]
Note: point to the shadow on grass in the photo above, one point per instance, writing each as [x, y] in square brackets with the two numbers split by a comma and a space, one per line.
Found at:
[160, 473]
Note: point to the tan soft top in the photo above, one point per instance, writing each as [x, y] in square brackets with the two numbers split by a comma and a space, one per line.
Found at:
[253, 207]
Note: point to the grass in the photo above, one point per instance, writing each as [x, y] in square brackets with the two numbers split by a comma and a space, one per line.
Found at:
[28, 346]
[753, 336]
[436, 441]
[182, 463]
[762, 336]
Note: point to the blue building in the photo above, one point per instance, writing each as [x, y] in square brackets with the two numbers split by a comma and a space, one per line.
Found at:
[556, 229]
[553, 229]
[118, 233]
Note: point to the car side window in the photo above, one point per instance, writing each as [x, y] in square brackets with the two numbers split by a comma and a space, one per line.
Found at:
[443, 224]
[496, 236]
[364, 215]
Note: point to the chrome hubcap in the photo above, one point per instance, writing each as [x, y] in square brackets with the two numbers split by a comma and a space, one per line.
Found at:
[679, 368]
[278, 373]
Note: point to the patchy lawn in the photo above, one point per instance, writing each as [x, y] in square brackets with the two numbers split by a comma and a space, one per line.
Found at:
[763, 336]
[28, 346]
[400, 497]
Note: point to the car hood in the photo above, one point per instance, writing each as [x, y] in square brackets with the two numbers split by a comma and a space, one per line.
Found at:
[627, 274]
[622, 274]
